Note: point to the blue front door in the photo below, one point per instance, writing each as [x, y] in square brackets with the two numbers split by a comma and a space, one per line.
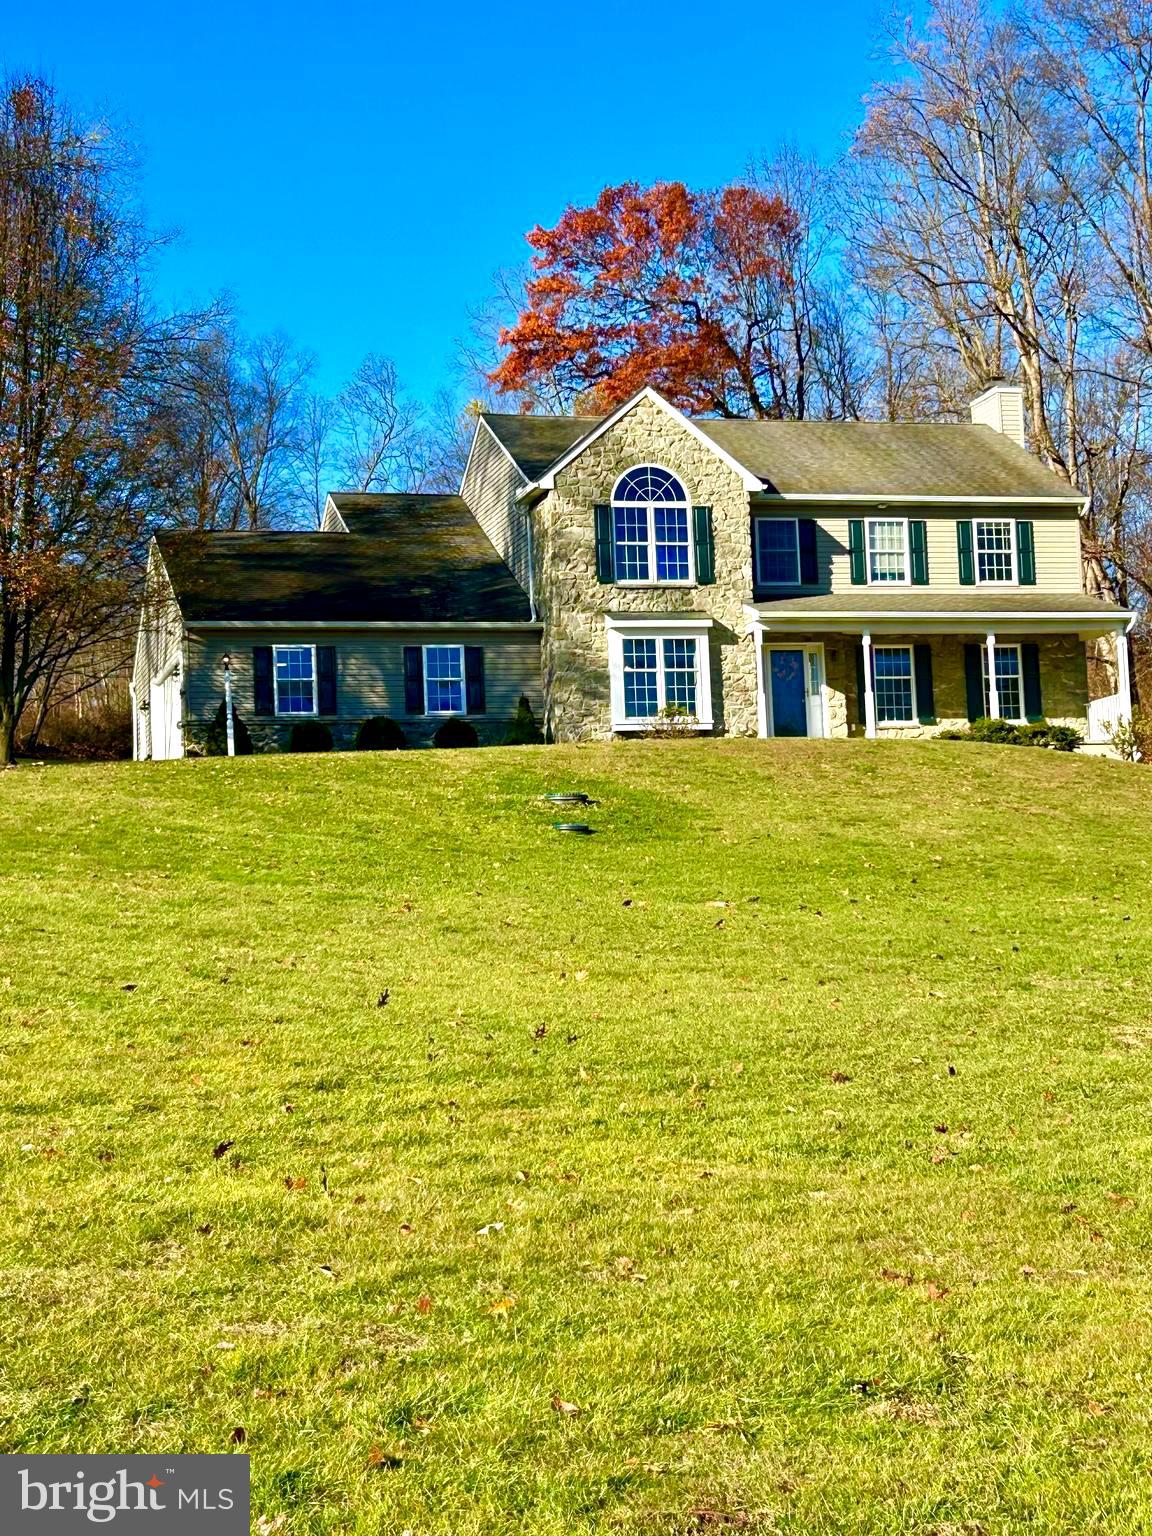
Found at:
[789, 693]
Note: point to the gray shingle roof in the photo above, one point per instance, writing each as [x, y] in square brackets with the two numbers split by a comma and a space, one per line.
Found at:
[923, 600]
[536, 442]
[814, 458]
[405, 559]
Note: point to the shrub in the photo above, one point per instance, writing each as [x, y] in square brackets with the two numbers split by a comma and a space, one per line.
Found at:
[310, 736]
[1132, 738]
[522, 728]
[671, 723]
[380, 734]
[216, 736]
[456, 733]
[1057, 738]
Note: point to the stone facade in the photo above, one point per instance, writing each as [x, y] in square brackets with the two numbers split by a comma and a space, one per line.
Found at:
[573, 604]
[1063, 678]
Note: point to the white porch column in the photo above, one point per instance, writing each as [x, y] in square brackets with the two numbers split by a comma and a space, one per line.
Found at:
[1123, 676]
[869, 694]
[761, 683]
[993, 689]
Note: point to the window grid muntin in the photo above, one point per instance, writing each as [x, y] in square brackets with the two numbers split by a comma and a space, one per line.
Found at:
[778, 551]
[893, 684]
[444, 680]
[1009, 681]
[651, 529]
[294, 673]
[995, 541]
[887, 550]
[659, 671]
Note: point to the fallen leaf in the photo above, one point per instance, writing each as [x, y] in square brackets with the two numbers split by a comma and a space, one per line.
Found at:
[424, 1305]
[841, 1077]
[895, 1275]
[568, 1409]
[239, 1435]
[382, 1000]
[379, 1458]
[935, 1292]
[502, 1307]
[295, 1183]
[405, 1229]
[493, 1226]
[220, 1148]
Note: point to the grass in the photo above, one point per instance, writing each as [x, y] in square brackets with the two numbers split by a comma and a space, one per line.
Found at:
[793, 1129]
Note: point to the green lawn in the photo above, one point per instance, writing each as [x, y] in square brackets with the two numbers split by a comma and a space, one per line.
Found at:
[794, 1129]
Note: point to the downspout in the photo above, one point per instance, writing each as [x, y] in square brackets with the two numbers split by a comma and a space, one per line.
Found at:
[531, 566]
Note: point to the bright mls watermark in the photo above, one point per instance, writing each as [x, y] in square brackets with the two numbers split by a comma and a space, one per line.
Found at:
[134, 1495]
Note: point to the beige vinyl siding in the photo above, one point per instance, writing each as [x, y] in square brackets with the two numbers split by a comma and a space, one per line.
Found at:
[369, 667]
[1056, 534]
[489, 489]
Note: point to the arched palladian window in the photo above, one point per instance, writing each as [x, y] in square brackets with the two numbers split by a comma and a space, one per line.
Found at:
[651, 527]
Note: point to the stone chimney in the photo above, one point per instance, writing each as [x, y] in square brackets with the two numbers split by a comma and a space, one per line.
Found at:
[1001, 407]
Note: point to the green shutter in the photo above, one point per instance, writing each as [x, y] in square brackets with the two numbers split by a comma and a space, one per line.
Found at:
[964, 554]
[264, 694]
[974, 681]
[918, 534]
[1033, 699]
[326, 680]
[705, 548]
[413, 679]
[1025, 555]
[925, 693]
[856, 559]
[605, 546]
[474, 702]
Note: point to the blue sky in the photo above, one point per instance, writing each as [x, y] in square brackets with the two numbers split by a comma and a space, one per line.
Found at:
[353, 174]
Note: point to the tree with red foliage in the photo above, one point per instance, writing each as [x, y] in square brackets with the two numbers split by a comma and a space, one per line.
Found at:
[686, 291]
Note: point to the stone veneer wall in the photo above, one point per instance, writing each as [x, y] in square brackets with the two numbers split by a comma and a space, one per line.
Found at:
[573, 604]
[1063, 680]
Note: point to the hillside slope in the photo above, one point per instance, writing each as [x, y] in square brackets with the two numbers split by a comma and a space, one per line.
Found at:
[775, 1159]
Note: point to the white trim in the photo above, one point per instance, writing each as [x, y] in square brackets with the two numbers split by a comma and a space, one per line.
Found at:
[440, 645]
[990, 676]
[687, 625]
[618, 629]
[1124, 677]
[901, 581]
[547, 481]
[192, 625]
[295, 714]
[1013, 553]
[758, 577]
[883, 498]
[807, 649]
[994, 687]
[330, 504]
[761, 681]
[913, 718]
[869, 695]
[1124, 620]
[648, 507]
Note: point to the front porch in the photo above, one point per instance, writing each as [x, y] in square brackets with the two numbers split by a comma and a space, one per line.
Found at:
[907, 673]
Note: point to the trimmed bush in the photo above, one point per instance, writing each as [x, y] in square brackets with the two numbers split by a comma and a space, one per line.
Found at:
[380, 734]
[456, 733]
[216, 736]
[310, 736]
[1057, 738]
[522, 728]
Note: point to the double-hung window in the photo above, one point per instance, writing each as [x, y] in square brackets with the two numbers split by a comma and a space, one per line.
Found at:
[1009, 682]
[887, 549]
[444, 679]
[894, 684]
[995, 542]
[777, 552]
[294, 674]
[651, 528]
[658, 669]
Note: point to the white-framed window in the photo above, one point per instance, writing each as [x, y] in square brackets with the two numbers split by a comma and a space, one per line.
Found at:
[894, 684]
[888, 556]
[294, 678]
[777, 552]
[1009, 681]
[657, 665]
[651, 528]
[444, 691]
[994, 541]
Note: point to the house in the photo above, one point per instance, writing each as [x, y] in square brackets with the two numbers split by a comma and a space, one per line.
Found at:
[748, 577]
